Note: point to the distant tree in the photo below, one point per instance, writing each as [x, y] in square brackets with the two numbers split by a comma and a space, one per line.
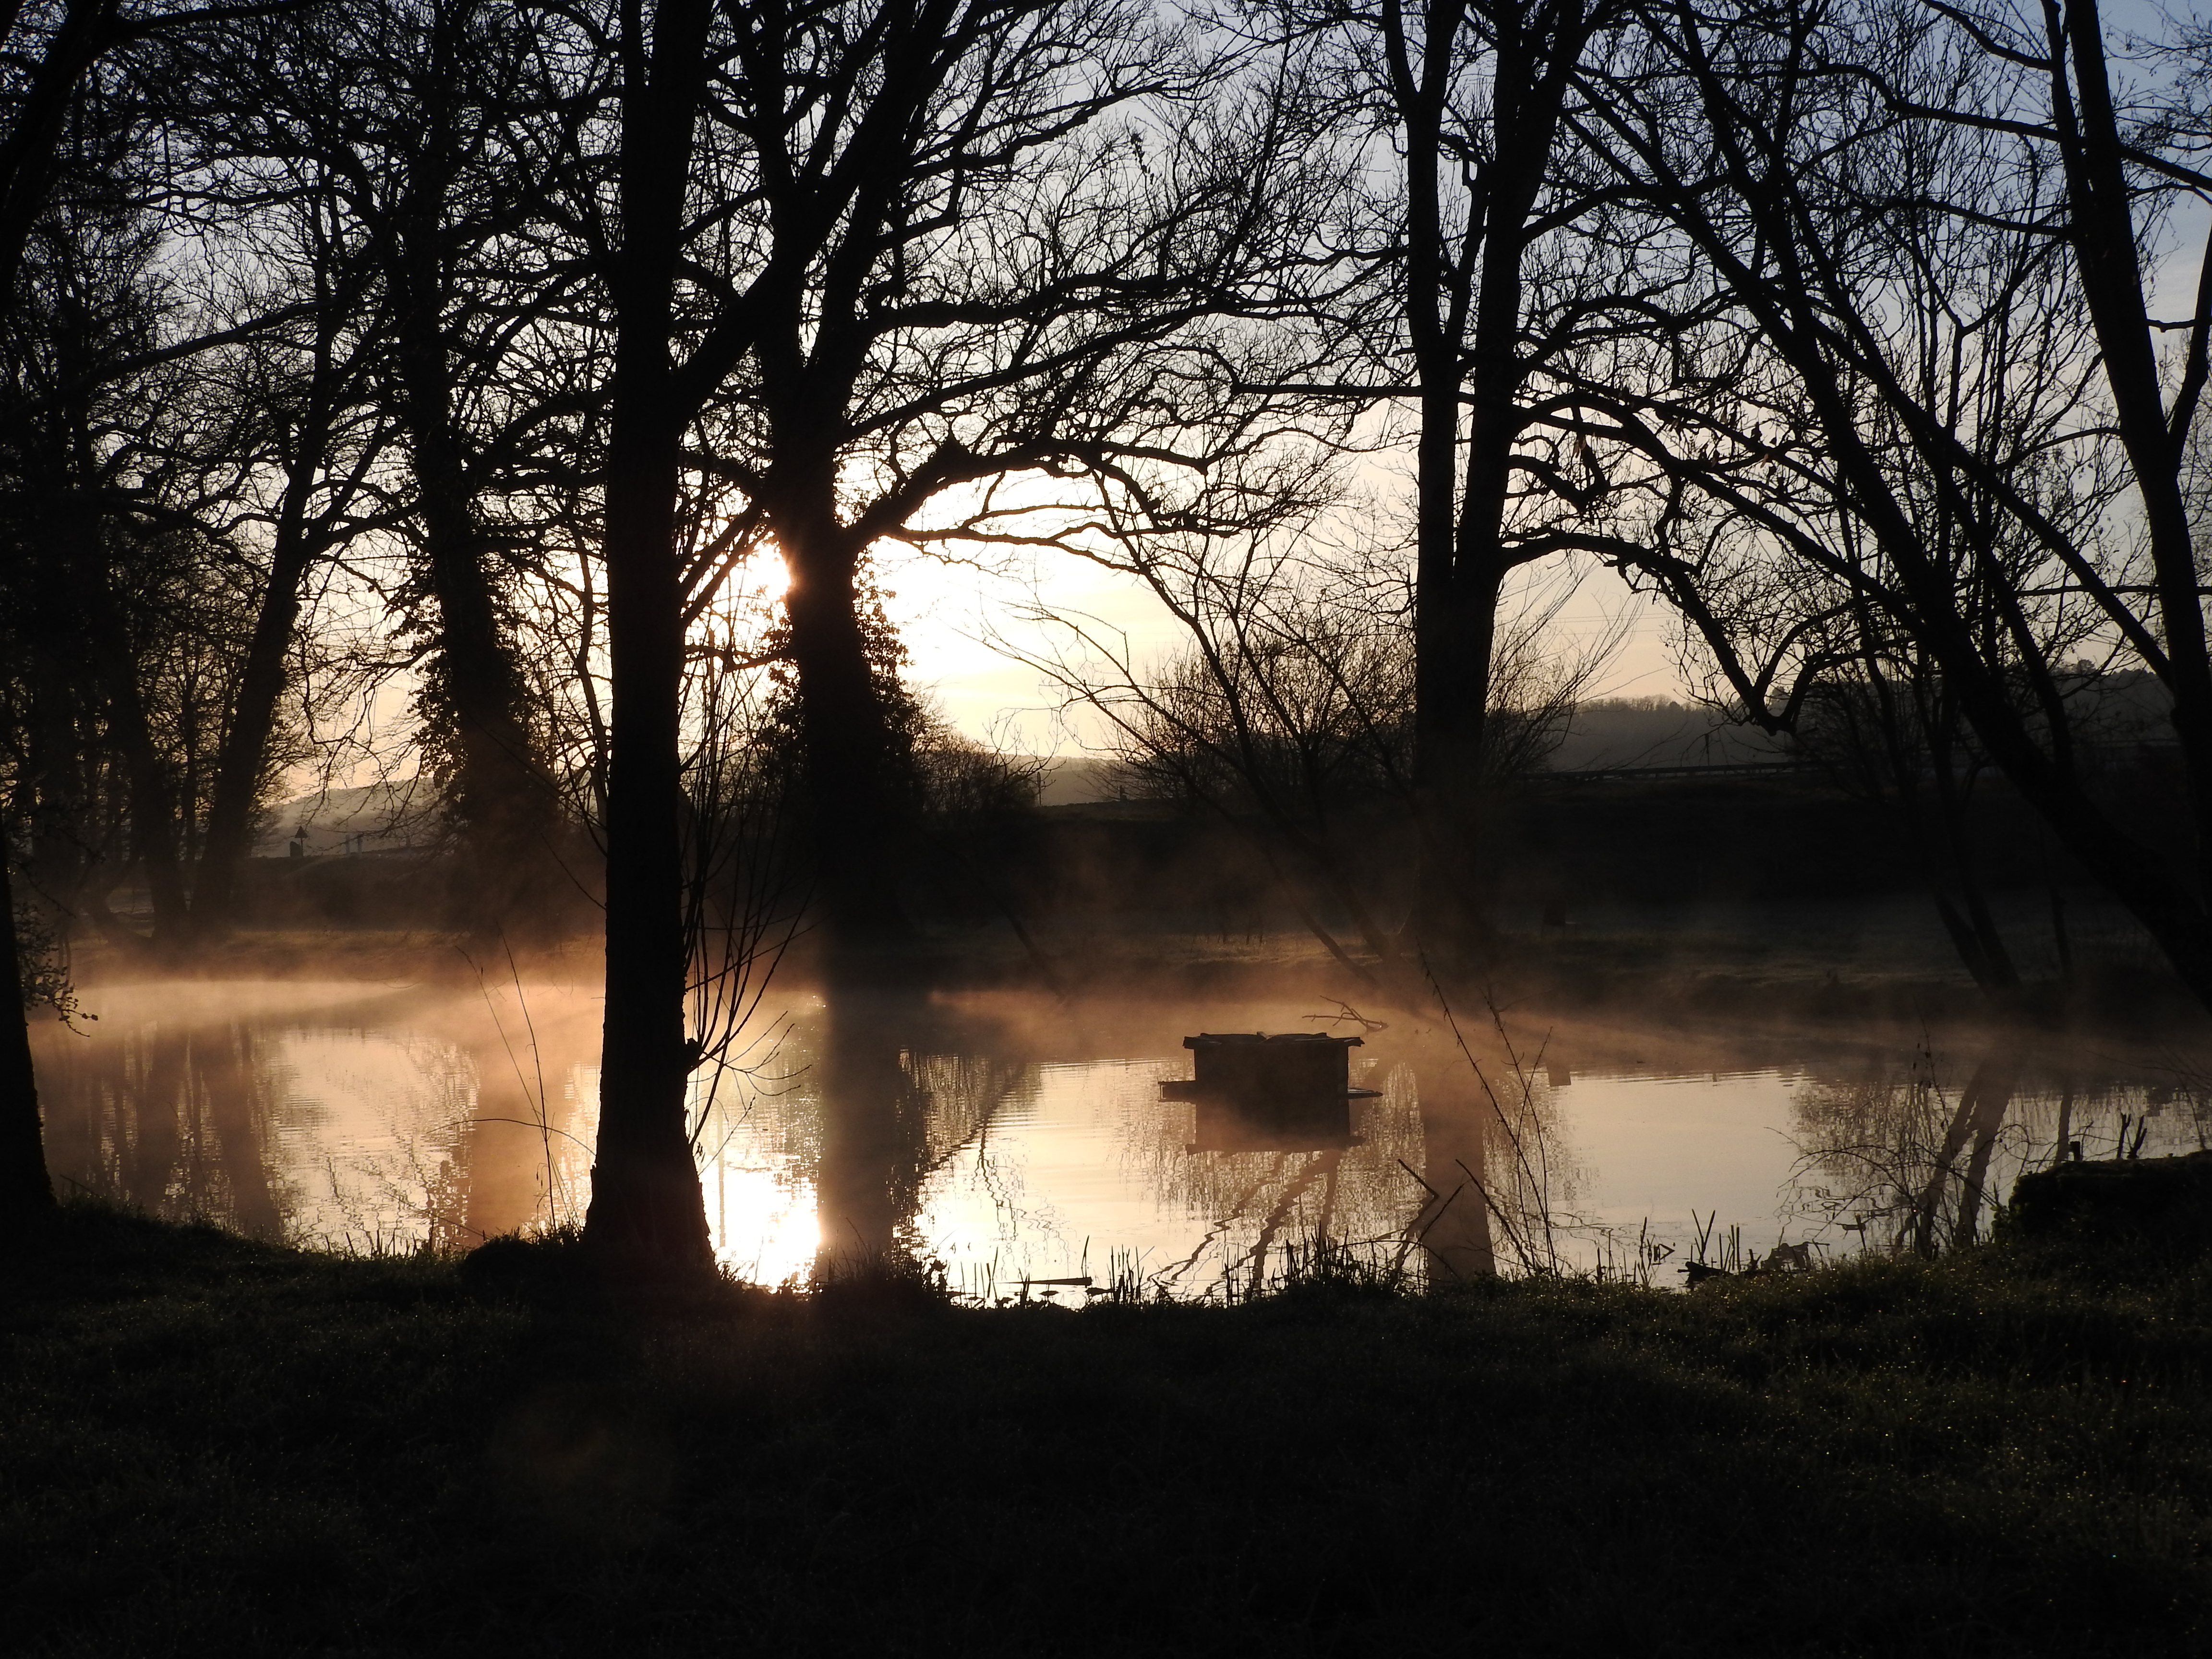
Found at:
[123, 500]
[189, 431]
[326, 444]
[965, 235]
[472, 149]
[1291, 715]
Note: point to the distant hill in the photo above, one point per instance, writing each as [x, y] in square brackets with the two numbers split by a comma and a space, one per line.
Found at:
[376, 818]
[1641, 732]
[1613, 733]
[1075, 780]
[2112, 708]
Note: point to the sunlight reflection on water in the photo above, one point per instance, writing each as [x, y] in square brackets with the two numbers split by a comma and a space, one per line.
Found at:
[1008, 1138]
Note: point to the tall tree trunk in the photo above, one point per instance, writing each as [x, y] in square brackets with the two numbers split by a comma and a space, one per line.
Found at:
[2101, 221]
[79, 527]
[1464, 327]
[27, 152]
[25, 1189]
[859, 839]
[1435, 318]
[647, 1203]
[25, 164]
[153, 802]
[508, 805]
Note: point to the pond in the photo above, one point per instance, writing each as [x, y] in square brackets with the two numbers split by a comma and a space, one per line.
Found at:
[1018, 1138]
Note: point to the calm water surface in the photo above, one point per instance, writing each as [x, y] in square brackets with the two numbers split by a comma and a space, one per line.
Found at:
[1015, 1138]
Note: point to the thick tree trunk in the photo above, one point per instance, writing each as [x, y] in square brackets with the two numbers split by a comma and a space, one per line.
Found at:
[25, 1189]
[1437, 318]
[511, 823]
[859, 840]
[153, 802]
[1452, 881]
[26, 157]
[1466, 332]
[646, 1204]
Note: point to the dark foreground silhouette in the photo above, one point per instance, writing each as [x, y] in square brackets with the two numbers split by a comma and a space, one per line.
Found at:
[210, 1446]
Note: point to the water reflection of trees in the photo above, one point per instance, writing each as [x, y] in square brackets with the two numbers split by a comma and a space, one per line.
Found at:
[413, 1185]
[422, 1124]
[1905, 1153]
[1261, 1203]
[896, 1092]
[391, 1120]
[895, 1100]
[165, 1118]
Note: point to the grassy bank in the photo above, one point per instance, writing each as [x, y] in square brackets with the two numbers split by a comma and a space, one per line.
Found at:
[211, 1446]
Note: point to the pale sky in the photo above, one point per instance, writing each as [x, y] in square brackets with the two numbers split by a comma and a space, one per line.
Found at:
[946, 615]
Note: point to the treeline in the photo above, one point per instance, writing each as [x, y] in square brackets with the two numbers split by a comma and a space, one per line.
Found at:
[504, 347]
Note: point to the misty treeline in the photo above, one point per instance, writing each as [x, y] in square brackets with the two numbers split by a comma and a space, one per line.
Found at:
[561, 365]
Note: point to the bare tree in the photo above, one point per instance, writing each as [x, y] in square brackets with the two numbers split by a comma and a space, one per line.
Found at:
[307, 385]
[443, 140]
[50, 52]
[646, 1198]
[868, 255]
[1495, 299]
[1291, 715]
[1872, 192]
[127, 484]
[973, 229]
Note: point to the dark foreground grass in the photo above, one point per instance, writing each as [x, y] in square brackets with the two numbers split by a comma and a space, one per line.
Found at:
[207, 1446]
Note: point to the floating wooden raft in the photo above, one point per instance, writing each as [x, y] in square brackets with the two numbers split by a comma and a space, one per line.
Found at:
[1281, 1092]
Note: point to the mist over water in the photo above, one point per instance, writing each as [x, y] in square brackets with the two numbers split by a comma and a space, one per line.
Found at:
[1014, 1137]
